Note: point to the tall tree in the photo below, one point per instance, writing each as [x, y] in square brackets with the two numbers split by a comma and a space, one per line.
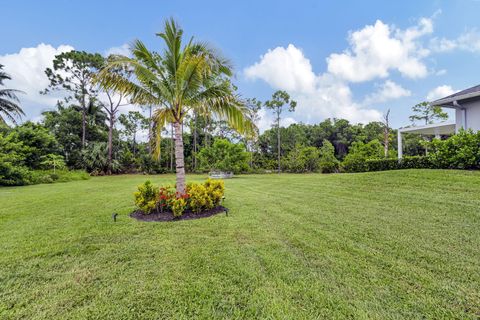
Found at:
[9, 102]
[73, 72]
[278, 101]
[111, 105]
[251, 144]
[191, 77]
[427, 113]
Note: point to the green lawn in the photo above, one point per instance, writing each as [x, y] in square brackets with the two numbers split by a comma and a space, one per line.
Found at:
[385, 245]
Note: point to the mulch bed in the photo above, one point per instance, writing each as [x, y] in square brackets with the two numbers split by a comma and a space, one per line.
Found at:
[168, 216]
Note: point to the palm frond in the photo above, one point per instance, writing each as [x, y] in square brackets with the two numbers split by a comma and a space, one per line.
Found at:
[161, 117]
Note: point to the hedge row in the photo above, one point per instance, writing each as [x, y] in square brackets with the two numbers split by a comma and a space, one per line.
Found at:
[415, 162]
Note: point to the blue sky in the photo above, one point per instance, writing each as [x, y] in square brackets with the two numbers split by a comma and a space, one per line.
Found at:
[351, 59]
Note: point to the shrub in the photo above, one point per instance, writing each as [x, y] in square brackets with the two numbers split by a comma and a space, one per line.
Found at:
[199, 199]
[302, 159]
[224, 156]
[417, 162]
[460, 151]
[14, 175]
[354, 165]
[165, 196]
[360, 152]
[146, 197]
[215, 190]
[381, 164]
[178, 205]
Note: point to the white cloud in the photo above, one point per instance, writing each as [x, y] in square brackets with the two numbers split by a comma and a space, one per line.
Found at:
[123, 50]
[441, 72]
[377, 49]
[439, 92]
[285, 69]
[332, 98]
[389, 90]
[27, 69]
[468, 41]
[318, 96]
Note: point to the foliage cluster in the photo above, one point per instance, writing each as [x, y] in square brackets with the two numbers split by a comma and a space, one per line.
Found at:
[198, 197]
[224, 155]
[29, 155]
[460, 151]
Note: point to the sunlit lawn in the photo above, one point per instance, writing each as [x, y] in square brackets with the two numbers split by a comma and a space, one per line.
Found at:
[387, 245]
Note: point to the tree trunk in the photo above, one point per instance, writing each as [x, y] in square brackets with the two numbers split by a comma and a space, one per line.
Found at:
[195, 142]
[386, 134]
[134, 144]
[179, 160]
[150, 123]
[171, 148]
[278, 144]
[84, 126]
[110, 143]
[84, 120]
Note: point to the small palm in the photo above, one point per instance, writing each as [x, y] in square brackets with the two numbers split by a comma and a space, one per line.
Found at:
[184, 78]
[9, 106]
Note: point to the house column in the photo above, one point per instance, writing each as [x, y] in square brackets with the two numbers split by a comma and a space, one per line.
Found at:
[399, 145]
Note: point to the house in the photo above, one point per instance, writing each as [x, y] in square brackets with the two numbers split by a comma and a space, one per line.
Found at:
[467, 115]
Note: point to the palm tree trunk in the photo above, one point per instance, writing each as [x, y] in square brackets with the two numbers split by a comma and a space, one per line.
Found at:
[179, 158]
[171, 148]
[195, 144]
[150, 123]
[110, 143]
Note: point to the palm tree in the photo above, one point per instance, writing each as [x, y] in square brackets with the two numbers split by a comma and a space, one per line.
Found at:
[185, 78]
[8, 100]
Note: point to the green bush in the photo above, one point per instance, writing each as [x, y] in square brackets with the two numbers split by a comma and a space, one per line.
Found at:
[460, 151]
[146, 198]
[354, 165]
[215, 190]
[302, 159]
[415, 162]
[359, 153]
[178, 206]
[14, 175]
[198, 197]
[381, 164]
[224, 156]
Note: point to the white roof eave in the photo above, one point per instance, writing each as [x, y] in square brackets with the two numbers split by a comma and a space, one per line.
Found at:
[448, 102]
[434, 128]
